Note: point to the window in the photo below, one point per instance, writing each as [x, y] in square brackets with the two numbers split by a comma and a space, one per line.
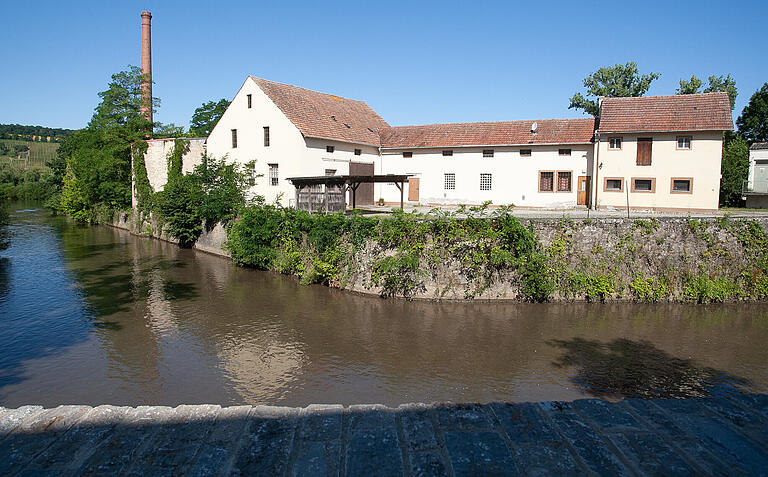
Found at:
[251, 173]
[525, 152]
[564, 181]
[546, 181]
[266, 136]
[407, 154]
[645, 184]
[234, 138]
[249, 101]
[681, 185]
[487, 152]
[449, 181]
[330, 172]
[614, 144]
[329, 148]
[448, 153]
[644, 147]
[564, 152]
[614, 184]
[358, 152]
[684, 142]
[273, 178]
[485, 181]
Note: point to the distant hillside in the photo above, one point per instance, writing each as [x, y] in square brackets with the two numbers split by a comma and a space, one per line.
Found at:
[33, 133]
[26, 154]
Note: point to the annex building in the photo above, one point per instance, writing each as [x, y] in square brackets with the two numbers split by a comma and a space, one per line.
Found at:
[654, 152]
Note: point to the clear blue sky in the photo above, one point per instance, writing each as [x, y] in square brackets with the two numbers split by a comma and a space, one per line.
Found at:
[413, 62]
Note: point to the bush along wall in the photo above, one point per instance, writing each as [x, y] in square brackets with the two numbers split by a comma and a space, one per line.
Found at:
[478, 253]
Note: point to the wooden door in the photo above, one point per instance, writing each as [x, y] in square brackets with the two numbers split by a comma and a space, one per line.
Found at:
[582, 197]
[644, 148]
[364, 194]
[413, 189]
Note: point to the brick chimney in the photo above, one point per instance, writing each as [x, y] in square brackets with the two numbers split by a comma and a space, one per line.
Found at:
[146, 62]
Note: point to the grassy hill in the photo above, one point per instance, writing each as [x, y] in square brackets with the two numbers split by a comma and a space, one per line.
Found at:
[39, 154]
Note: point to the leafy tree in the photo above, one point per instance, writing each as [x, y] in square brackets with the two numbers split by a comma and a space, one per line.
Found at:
[612, 81]
[169, 130]
[716, 83]
[753, 122]
[734, 171]
[206, 116]
[179, 203]
[723, 83]
[96, 173]
[691, 86]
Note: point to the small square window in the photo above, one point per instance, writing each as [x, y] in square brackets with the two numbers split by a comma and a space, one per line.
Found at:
[684, 142]
[329, 148]
[681, 186]
[487, 152]
[448, 153]
[273, 177]
[525, 152]
[614, 185]
[330, 172]
[564, 181]
[234, 138]
[546, 181]
[614, 143]
[358, 152]
[485, 181]
[449, 181]
[249, 101]
[407, 154]
[564, 152]
[642, 185]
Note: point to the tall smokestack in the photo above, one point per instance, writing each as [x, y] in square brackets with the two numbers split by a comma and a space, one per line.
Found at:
[146, 62]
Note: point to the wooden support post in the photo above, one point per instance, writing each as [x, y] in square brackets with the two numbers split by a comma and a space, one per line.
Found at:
[325, 197]
[402, 186]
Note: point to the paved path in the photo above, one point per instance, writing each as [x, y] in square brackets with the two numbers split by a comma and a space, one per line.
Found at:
[633, 437]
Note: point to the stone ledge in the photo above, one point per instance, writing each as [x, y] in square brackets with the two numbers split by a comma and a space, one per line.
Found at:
[641, 437]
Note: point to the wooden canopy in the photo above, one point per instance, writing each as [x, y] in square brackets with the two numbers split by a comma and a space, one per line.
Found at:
[341, 184]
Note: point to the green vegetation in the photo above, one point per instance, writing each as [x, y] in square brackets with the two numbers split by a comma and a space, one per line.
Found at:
[716, 83]
[206, 116]
[32, 133]
[612, 81]
[753, 122]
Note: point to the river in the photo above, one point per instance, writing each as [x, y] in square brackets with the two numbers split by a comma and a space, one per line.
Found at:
[94, 315]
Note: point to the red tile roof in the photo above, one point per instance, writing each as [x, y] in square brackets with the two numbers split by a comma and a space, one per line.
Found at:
[759, 146]
[685, 112]
[548, 131]
[325, 115]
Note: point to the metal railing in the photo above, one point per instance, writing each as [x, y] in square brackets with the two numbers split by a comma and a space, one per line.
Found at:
[754, 187]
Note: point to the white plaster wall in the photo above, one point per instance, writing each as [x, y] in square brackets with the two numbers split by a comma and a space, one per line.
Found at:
[701, 162]
[156, 159]
[294, 154]
[758, 181]
[515, 178]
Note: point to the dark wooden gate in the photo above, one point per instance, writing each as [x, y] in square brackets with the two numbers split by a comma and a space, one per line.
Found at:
[364, 191]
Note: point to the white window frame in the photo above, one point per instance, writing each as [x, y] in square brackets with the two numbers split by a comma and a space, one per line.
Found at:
[274, 175]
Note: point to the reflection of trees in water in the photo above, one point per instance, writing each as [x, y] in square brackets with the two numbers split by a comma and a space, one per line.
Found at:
[637, 369]
[5, 272]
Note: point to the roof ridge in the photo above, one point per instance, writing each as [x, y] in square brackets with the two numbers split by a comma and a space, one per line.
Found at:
[691, 95]
[257, 79]
[493, 122]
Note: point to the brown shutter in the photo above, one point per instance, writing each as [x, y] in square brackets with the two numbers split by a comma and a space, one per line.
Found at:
[644, 146]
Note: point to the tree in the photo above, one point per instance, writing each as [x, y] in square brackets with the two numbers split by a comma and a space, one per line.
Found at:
[691, 86]
[734, 171]
[170, 130]
[206, 116]
[612, 81]
[753, 122]
[723, 83]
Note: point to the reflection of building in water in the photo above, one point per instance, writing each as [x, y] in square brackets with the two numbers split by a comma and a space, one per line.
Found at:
[262, 371]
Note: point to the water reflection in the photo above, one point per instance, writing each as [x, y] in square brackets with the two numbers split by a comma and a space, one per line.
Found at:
[101, 316]
[637, 369]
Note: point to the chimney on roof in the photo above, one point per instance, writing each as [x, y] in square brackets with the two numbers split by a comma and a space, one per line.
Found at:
[534, 128]
[146, 63]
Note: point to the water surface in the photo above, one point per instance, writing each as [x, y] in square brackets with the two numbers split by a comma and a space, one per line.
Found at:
[94, 315]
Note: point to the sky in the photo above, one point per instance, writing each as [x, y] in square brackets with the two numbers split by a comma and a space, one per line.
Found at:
[412, 62]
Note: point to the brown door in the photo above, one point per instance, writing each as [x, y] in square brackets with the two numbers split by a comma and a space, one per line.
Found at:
[364, 194]
[413, 189]
[644, 147]
[582, 197]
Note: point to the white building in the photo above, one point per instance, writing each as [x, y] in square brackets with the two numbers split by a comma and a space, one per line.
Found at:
[756, 188]
[656, 152]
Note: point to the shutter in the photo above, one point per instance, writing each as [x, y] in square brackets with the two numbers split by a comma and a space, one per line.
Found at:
[644, 146]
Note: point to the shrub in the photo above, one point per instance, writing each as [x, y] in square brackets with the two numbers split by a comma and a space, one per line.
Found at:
[397, 274]
[703, 288]
[179, 205]
[594, 287]
[649, 289]
[536, 279]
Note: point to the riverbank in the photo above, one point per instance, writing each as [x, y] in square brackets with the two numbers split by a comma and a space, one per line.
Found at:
[495, 256]
[714, 436]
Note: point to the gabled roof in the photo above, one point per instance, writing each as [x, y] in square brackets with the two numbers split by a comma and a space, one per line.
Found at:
[759, 146]
[548, 131]
[323, 115]
[685, 112]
